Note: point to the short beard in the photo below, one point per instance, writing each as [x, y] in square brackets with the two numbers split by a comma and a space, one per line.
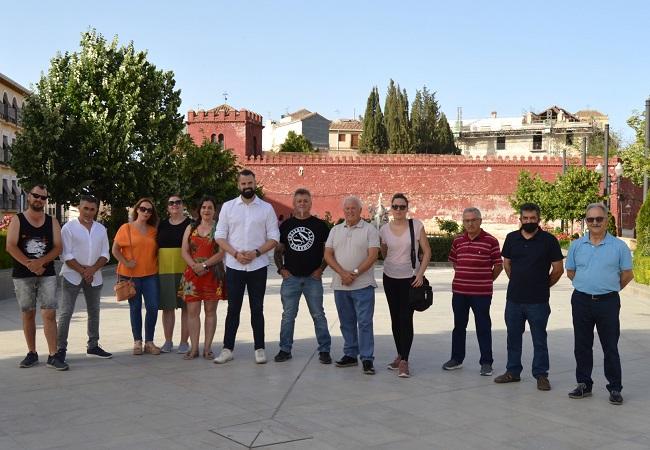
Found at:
[36, 208]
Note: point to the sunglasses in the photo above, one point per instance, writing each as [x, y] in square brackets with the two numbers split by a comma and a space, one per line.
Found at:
[400, 207]
[142, 209]
[39, 196]
[174, 202]
[598, 219]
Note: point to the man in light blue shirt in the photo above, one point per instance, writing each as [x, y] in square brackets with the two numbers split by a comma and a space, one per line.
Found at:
[599, 265]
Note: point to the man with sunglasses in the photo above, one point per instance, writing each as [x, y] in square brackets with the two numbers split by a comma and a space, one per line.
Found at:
[85, 252]
[34, 241]
[599, 266]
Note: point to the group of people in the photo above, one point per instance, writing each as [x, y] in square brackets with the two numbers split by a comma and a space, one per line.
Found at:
[180, 263]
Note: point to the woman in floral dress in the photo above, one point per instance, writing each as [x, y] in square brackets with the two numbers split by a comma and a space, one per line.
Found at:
[201, 282]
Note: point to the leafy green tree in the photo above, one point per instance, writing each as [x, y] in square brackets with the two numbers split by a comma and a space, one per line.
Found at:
[574, 191]
[206, 169]
[102, 120]
[296, 143]
[533, 189]
[596, 144]
[635, 164]
[373, 139]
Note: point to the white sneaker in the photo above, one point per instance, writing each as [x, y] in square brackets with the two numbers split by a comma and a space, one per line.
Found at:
[260, 356]
[224, 356]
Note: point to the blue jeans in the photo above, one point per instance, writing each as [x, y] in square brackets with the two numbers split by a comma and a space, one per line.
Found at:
[604, 315]
[356, 309]
[516, 316]
[148, 288]
[237, 281]
[290, 292]
[480, 306]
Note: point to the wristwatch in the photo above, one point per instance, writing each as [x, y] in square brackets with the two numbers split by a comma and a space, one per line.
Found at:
[205, 266]
[258, 253]
[355, 271]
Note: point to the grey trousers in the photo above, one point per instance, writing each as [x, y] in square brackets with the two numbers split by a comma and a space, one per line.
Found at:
[69, 293]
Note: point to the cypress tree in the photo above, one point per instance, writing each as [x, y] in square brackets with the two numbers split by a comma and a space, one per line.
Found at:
[373, 139]
[446, 137]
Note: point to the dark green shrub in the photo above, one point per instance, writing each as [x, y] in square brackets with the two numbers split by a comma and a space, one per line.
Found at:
[440, 247]
[6, 261]
[642, 252]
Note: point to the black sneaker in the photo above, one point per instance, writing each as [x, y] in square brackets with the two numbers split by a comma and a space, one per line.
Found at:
[486, 370]
[347, 361]
[282, 356]
[54, 362]
[98, 352]
[62, 352]
[615, 398]
[581, 391]
[324, 358]
[368, 367]
[452, 364]
[30, 360]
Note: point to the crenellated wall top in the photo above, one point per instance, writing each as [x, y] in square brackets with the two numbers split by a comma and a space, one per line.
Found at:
[270, 158]
[221, 115]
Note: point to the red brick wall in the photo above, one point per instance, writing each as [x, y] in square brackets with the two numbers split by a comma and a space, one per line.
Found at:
[437, 185]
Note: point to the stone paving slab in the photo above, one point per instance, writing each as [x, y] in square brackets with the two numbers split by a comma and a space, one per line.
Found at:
[164, 402]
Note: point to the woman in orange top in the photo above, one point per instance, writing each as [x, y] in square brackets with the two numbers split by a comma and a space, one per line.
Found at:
[135, 249]
[199, 282]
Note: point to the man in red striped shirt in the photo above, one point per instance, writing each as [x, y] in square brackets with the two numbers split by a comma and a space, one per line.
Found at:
[477, 263]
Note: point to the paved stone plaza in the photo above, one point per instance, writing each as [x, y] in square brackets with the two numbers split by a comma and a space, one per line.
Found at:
[164, 402]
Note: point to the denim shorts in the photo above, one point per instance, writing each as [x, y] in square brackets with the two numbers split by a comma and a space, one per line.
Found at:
[31, 290]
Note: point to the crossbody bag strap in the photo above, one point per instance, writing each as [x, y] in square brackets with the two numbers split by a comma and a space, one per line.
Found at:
[412, 233]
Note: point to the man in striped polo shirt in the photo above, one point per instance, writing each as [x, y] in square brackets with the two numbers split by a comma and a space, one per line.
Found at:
[477, 263]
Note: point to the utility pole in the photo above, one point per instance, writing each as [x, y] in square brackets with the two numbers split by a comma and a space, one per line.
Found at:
[607, 165]
[584, 152]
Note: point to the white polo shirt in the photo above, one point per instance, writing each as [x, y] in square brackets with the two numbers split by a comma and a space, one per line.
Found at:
[350, 245]
[247, 227]
[85, 247]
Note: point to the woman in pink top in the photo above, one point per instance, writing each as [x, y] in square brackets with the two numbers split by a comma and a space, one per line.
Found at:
[399, 276]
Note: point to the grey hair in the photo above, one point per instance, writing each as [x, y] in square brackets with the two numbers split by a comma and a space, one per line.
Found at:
[353, 198]
[472, 210]
[597, 205]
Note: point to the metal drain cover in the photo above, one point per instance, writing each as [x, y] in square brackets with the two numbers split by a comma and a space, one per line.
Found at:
[261, 433]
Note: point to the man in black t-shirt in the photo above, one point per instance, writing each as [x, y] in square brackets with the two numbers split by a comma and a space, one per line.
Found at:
[299, 258]
[529, 254]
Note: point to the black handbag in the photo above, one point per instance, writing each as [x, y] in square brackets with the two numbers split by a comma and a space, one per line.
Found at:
[420, 298]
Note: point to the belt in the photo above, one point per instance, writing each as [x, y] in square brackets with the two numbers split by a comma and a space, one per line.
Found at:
[598, 297]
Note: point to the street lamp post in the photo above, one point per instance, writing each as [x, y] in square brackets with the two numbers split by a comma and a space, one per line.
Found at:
[618, 170]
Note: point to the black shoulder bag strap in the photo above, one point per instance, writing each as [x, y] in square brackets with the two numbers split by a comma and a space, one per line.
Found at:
[412, 231]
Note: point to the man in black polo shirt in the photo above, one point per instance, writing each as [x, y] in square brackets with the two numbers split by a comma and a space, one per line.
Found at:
[299, 258]
[529, 254]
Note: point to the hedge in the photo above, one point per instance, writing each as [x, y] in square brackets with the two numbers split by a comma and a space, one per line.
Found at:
[642, 252]
[440, 247]
[6, 261]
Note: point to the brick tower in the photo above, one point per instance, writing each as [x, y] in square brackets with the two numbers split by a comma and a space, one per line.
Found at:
[240, 131]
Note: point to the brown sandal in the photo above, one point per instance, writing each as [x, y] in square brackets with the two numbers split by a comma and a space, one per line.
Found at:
[189, 355]
[209, 355]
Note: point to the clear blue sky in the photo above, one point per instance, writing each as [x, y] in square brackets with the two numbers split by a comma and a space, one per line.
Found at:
[273, 56]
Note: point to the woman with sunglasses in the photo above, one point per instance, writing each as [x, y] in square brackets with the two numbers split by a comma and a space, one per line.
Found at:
[136, 251]
[399, 276]
[200, 282]
[170, 270]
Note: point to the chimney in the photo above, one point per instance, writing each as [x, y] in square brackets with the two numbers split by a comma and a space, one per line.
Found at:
[493, 114]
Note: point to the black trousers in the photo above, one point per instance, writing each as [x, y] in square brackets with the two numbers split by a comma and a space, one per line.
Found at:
[236, 282]
[603, 313]
[401, 313]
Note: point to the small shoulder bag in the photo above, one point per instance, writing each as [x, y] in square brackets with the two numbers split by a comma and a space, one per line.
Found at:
[420, 298]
